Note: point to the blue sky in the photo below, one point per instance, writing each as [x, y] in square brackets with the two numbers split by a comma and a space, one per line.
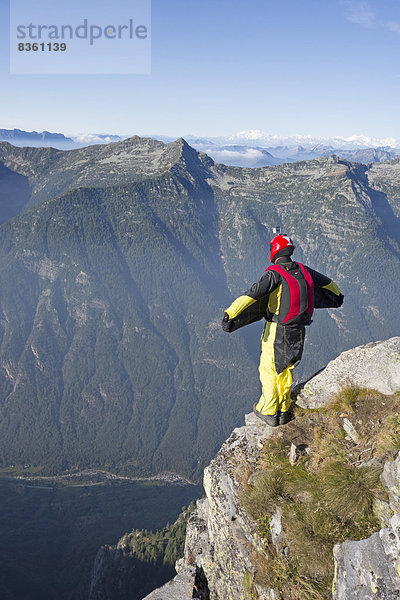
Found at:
[314, 67]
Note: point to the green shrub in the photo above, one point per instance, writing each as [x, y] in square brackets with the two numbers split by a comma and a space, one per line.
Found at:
[349, 492]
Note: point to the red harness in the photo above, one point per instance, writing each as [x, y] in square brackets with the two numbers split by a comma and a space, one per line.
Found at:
[294, 290]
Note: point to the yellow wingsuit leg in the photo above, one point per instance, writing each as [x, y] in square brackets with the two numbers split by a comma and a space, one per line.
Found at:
[275, 387]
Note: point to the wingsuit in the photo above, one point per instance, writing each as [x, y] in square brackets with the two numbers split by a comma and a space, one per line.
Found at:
[285, 296]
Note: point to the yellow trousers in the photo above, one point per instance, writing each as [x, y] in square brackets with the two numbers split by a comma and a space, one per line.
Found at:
[276, 387]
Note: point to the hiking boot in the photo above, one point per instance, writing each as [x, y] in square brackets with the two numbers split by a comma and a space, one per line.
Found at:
[285, 417]
[271, 420]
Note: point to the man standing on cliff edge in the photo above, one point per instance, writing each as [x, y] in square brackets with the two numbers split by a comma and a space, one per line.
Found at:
[285, 296]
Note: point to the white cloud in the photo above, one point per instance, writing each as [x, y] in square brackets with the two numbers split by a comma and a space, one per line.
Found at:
[246, 157]
[250, 153]
[360, 13]
[250, 134]
[363, 141]
[94, 138]
[393, 26]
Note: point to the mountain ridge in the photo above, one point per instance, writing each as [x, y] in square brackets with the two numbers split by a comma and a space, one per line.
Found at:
[249, 151]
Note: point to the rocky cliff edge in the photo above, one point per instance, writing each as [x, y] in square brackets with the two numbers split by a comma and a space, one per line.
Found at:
[223, 547]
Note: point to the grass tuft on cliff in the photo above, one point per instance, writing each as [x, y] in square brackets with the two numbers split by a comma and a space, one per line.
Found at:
[389, 437]
[328, 495]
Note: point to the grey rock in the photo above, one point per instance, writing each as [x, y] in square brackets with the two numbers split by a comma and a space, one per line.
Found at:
[369, 569]
[383, 512]
[375, 365]
[179, 588]
[372, 462]
[294, 454]
[350, 430]
[221, 537]
[391, 480]
[276, 527]
[256, 431]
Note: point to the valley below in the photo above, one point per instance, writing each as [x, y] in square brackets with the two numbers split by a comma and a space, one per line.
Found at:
[51, 532]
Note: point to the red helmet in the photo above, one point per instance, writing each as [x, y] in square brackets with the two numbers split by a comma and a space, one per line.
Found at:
[279, 242]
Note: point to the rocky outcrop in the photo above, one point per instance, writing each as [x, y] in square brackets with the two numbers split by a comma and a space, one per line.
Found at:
[375, 365]
[221, 537]
[370, 569]
[223, 548]
[189, 583]
[222, 544]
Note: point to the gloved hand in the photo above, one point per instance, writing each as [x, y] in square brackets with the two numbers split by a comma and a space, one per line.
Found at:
[226, 323]
[340, 301]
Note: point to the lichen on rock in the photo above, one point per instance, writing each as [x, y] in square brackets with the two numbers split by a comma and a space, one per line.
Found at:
[375, 365]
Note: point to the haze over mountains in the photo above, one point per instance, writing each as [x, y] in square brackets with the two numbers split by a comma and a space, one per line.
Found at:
[251, 148]
[114, 273]
[20, 138]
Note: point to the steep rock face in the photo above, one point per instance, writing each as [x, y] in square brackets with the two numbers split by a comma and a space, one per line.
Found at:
[375, 365]
[228, 545]
[222, 542]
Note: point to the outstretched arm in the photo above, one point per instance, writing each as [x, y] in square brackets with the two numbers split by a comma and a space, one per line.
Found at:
[326, 292]
[263, 287]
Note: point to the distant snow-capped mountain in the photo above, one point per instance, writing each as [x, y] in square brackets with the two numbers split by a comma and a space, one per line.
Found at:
[250, 148]
[255, 136]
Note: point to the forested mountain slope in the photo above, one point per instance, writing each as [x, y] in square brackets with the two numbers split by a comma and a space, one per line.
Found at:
[113, 284]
